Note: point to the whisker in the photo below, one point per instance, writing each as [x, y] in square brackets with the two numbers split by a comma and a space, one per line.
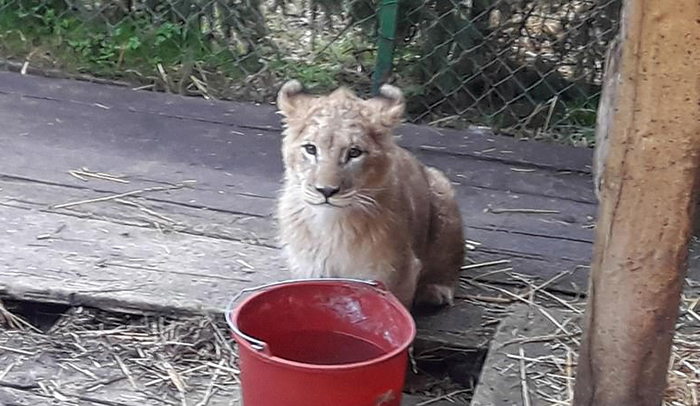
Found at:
[367, 203]
[346, 195]
[368, 199]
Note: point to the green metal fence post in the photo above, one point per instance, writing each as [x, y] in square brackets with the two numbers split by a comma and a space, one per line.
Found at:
[385, 47]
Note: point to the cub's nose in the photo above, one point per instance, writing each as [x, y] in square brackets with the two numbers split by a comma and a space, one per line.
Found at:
[328, 191]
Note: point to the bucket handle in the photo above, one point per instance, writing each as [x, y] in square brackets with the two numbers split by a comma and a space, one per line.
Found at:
[261, 345]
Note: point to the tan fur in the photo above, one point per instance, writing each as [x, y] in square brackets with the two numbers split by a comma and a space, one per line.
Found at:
[392, 219]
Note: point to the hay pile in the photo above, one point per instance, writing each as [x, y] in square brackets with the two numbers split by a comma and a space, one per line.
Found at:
[548, 375]
[115, 360]
[94, 356]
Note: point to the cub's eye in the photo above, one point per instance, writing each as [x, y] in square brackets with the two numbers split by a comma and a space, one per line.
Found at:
[310, 149]
[354, 153]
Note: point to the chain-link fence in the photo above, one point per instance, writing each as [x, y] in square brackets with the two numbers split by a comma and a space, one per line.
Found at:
[529, 67]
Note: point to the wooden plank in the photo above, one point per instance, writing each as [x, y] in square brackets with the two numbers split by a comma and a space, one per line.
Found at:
[244, 184]
[461, 324]
[482, 209]
[118, 267]
[147, 210]
[479, 143]
[252, 178]
[535, 256]
[546, 348]
[483, 144]
[239, 175]
[524, 328]
[415, 400]
[249, 154]
[109, 256]
[541, 256]
[515, 178]
[122, 99]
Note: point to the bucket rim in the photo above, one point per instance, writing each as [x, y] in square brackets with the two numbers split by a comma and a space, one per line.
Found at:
[263, 353]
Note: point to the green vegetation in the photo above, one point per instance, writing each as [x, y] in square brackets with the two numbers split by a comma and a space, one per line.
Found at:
[138, 47]
[456, 66]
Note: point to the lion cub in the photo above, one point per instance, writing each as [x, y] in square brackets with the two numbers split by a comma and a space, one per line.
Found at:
[356, 205]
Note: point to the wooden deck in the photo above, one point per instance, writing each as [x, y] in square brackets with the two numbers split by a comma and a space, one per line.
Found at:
[187, 220]
[191, 223]
[194, 223]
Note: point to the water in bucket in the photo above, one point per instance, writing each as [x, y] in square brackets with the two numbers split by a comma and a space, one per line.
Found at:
[323, 348]
[322, 342]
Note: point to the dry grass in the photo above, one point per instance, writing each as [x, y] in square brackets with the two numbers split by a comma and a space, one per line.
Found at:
[89, 355]
[684, 367]
[549, 376]
[93, 356]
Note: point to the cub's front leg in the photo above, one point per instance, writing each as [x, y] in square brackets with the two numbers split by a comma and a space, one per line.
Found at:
[398, 271]
[402, 279]
[303, 264]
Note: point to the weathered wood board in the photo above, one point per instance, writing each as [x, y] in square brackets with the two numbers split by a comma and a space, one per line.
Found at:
[479, 143]
[209, 230]
[545, 371]
[224, 223]
[233, 154]
[194, 222]
[509, 378]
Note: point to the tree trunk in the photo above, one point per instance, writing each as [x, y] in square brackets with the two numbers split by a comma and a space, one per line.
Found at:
[648, 171]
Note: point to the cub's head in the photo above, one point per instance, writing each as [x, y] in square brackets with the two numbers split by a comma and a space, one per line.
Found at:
[337, 148]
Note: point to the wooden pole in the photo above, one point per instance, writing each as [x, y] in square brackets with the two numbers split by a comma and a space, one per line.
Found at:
[648, 197]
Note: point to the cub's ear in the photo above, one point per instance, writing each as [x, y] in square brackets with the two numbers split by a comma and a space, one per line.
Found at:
[386, 109]
[291, 99]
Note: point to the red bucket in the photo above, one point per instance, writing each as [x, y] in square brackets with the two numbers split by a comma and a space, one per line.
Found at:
[322, 342]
